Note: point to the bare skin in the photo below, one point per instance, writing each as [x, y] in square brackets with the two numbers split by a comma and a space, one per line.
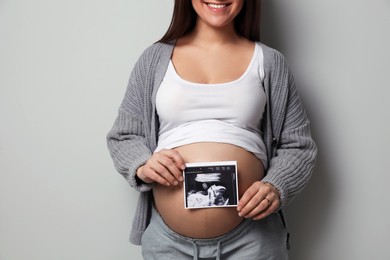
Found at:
[211, 53]
[205, 223]
[210, 222]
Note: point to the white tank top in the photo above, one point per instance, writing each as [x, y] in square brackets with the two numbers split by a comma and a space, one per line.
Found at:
[229, 112]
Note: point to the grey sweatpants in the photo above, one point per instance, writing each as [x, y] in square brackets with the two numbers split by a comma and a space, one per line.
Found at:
[264, 239]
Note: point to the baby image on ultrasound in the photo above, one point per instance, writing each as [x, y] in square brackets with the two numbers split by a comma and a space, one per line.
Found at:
[210, 185]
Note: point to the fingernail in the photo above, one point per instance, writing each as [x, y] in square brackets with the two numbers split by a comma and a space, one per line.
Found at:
[183, 166]
[175, 183]
[181, 178]
[240, 214]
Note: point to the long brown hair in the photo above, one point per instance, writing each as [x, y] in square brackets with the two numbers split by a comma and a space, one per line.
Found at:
[247, 22]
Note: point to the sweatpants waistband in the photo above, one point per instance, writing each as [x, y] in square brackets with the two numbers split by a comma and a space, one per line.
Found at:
[251, 240]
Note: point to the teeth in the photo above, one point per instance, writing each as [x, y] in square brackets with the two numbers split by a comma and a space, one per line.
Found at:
[216, 6]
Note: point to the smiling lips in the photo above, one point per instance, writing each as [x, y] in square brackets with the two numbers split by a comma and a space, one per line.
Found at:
[216, 6]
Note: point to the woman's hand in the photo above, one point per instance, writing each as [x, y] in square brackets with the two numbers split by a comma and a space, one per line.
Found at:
[259, 200]
[164, 167]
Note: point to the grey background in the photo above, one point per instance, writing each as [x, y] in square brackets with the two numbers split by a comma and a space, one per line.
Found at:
[64, 66]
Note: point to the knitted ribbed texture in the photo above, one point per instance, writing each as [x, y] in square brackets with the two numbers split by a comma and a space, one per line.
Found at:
[291, 150]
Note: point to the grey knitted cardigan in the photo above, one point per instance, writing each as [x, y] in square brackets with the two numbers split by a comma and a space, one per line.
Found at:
[286, 132]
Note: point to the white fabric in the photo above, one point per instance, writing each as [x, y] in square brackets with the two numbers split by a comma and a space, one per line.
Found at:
[229, 112]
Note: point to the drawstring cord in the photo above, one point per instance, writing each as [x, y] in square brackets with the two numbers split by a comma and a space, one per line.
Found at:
[219, 250]
[195, 250]
[195, 247]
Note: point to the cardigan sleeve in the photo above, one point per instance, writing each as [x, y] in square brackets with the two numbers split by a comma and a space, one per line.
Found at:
[294, 152]
[127, 140]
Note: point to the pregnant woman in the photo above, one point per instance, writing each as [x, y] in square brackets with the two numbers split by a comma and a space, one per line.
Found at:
[210, 91]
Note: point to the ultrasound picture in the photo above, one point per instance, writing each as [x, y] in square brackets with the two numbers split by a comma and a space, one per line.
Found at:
[211, 184]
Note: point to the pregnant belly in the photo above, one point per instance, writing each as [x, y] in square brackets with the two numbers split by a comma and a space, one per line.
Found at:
[207, 222]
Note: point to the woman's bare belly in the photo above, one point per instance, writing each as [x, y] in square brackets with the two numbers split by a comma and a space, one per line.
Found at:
[208, 222]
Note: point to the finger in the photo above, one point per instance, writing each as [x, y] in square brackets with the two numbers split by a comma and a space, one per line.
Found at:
[155, 170]
[265, 189]
[152, 175]
[258, 209]
[256, 193]
[159, 168]
[159, 179]
[254, 206]
[272, 196]
[252, 199]
[251, 207]
[271, 209]
[174, 174]
[248, 195]
[175, 155]
[273, 204]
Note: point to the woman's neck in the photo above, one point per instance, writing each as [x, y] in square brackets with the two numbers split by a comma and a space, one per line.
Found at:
[204, 35]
